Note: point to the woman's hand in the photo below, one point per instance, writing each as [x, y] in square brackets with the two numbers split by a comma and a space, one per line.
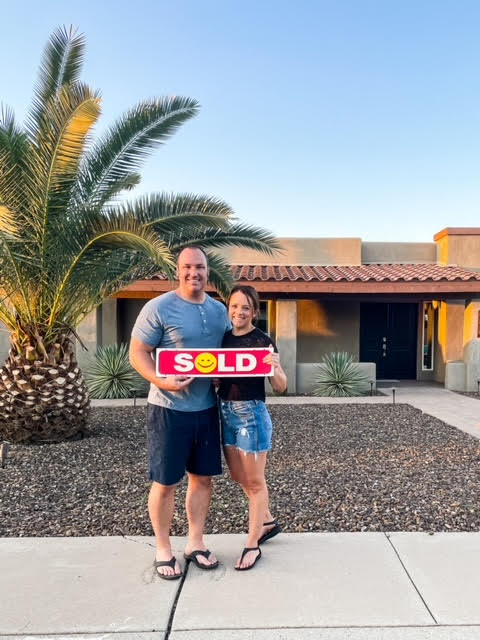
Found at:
[279, 380]
[272, 359]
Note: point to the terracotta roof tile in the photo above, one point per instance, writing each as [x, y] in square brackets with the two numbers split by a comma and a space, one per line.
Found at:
[363, 273]
[354, 273]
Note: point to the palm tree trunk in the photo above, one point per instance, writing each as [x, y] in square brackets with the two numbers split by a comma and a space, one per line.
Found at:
[43, 398]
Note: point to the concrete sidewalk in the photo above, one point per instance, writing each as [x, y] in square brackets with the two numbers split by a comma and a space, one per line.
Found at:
[322, 586]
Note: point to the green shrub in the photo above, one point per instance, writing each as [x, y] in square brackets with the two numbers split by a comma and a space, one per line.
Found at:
[339, 375]
[110, 374]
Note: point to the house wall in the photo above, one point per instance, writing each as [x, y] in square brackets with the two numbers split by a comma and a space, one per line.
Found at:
[321, 251]
[399, 252]
[112, 322]
[459, 246]
[449, 342]
[325, 326]
[88, 333]
[456, 325]
[4, 343]
[341, 251]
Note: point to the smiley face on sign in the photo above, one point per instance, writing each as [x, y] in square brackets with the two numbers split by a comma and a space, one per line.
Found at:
[205, 362]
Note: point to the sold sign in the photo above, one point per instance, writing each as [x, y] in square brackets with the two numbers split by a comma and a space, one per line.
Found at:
[216, 363]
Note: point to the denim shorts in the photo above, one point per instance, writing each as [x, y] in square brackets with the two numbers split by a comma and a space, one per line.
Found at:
[180, 441]
[246, 424]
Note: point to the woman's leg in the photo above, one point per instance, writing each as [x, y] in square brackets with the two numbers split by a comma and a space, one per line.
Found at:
[255, 487]
[248, 469]
[233, 458]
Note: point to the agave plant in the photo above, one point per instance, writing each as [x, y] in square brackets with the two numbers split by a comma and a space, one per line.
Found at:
[339, 375]
[67, 241]
[110, 374]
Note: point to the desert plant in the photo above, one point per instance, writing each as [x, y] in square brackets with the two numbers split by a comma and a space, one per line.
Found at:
[339, 375]
[110, 374]
[67, 243]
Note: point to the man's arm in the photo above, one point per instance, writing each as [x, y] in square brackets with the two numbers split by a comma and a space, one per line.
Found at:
[141, 360]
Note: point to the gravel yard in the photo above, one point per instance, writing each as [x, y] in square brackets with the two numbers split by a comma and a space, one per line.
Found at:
[334, 468]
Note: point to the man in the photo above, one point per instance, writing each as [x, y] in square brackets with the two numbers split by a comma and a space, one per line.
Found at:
[182, 416]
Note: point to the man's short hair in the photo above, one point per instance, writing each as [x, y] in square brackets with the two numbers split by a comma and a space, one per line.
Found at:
[191, 246]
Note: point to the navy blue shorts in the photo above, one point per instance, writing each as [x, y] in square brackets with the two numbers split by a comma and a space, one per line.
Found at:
[180, 441]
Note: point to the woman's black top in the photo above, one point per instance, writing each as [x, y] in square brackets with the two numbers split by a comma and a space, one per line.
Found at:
[245, 388]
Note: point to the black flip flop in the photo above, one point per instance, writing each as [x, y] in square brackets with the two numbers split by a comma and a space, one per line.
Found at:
[192, 557]
[244, 552]
[272, 533]
[167, 563]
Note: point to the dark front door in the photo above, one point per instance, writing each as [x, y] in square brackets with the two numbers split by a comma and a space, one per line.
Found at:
[388, 337]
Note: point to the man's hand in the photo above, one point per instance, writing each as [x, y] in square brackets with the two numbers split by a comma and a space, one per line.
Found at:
[173, 383]
[141, 359]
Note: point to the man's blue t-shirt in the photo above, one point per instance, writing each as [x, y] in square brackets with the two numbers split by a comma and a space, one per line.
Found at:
[171, 322]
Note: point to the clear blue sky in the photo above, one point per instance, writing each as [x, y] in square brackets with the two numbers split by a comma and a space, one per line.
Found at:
[322, 118]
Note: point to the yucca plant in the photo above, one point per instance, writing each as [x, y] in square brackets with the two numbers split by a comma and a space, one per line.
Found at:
[110, 374]
[67, 242]
[339, 375]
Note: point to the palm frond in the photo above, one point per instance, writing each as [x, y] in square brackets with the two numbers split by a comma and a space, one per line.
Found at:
[220, 274]
[239, 235]
[12, 137]
[65, 241]
[172, 213]
[56, 156]
[125, 146]
[15, 184]
[126, 183]
[19, 279]
[8, 223]
[61, 65]
[93, 266]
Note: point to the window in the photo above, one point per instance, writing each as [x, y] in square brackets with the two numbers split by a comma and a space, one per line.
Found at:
[261, 322]
[428, 333]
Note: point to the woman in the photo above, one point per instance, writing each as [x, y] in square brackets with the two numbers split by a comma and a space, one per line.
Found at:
[246, 423]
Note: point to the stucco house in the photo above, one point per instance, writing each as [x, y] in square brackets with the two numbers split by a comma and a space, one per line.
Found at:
[412, 309]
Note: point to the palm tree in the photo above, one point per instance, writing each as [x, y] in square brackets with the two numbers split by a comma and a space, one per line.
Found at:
[67, 242]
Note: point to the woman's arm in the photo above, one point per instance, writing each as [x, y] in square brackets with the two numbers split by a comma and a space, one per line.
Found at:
[278, 381]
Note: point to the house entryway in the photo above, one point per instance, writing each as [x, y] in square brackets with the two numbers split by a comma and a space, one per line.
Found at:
[388, 337]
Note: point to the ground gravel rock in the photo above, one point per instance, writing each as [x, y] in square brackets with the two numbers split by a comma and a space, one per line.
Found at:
[333, 468]
[469, 394]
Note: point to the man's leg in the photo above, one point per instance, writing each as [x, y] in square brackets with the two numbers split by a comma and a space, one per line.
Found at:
[161, 503]
[168, 446]
[199, 494]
